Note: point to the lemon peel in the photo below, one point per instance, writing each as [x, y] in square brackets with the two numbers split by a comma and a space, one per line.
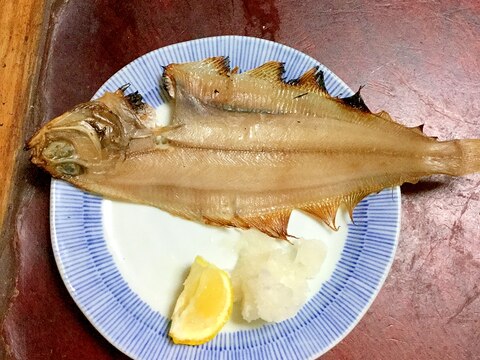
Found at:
[204, 306]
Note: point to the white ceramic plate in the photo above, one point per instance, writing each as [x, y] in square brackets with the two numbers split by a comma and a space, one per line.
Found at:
[124, 264]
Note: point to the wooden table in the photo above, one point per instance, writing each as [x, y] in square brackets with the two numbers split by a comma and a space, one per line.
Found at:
[418, 60]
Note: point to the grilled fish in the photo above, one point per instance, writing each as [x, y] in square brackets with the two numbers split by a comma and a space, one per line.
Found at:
[242, 149]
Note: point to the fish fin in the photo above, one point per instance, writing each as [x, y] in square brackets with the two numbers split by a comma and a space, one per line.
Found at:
[219, 65]
[216, 222]
[135, 100]
[160, 130]
[418, 129]
[385, 115]
[214, 65]
[272, 224]
[272, 71]
[356, 101]
[352, 200]
[235, 70]
[326, 212]
[312, 80]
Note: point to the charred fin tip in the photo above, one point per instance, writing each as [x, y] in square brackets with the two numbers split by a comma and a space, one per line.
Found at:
[135, 99]
[315, 77]
[356, 101]
[124, 87]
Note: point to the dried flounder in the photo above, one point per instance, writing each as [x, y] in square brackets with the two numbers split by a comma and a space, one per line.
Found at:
[243, 149]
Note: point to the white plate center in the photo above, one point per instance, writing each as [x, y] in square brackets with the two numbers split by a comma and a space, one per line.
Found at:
[154, 250]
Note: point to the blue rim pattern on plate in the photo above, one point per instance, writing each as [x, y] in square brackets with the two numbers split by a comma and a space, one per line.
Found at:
[97, 287]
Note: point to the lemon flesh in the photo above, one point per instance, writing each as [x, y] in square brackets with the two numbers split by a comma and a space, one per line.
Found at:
[204, 306]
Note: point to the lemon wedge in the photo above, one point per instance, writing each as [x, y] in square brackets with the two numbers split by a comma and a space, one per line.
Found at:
[204, 306]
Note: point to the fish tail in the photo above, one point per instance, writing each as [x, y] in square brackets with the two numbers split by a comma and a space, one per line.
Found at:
[457, 157]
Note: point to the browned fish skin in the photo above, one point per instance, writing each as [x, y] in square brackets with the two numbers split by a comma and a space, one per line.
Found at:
[243, 149]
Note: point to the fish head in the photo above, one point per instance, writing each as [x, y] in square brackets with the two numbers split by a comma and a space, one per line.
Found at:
[91, 138]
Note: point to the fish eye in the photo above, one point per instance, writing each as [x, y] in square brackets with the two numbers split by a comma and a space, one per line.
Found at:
[58, 150]
[70, 169]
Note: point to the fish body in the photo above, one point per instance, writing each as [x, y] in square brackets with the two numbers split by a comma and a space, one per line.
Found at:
[243, 149]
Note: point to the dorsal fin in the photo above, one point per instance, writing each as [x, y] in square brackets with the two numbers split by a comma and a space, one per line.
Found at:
[355, 101]
[419, 130]
[312, 80]
[383, 114]
[218, 65]
[214, 66]
[272, 71]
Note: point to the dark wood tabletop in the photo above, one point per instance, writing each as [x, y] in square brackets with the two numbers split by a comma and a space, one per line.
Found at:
[419, 60]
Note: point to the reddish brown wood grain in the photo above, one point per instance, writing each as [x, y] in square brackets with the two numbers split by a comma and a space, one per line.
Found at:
[418, 60]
